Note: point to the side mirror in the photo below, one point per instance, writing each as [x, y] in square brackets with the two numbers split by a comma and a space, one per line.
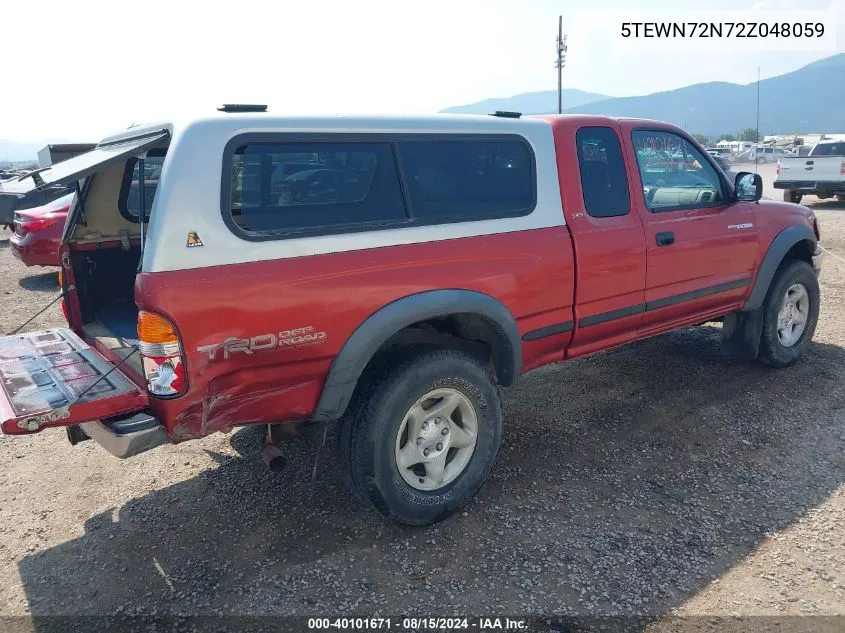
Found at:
[748, 187]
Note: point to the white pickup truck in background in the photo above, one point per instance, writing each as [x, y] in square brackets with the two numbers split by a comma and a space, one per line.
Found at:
[821, 173]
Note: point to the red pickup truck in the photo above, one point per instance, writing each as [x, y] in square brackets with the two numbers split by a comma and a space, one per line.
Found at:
[388, 274]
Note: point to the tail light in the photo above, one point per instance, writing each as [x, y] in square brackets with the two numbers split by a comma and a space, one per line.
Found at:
[778, 169]
[842, 169]
[26, 224]
[161, 354]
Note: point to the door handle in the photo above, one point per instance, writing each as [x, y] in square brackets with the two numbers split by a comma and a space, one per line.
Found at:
[666, 238]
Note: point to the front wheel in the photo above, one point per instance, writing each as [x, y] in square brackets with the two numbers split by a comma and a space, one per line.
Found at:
[840, 197]
[421, 440]
[792, 196]
[790, 314]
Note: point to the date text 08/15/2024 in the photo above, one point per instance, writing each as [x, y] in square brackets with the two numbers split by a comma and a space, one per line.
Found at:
[481, 624]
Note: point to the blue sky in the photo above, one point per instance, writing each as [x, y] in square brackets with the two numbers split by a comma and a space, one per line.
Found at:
[89, 66]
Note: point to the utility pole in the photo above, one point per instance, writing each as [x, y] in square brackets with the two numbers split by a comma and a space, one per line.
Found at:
[561, 61]
[757, 125]
[758, 105]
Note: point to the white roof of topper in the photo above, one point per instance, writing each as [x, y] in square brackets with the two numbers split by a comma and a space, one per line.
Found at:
[188, 198]
[252, 121]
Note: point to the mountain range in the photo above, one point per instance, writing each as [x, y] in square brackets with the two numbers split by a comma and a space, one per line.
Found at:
[810, 99]
[531, 102]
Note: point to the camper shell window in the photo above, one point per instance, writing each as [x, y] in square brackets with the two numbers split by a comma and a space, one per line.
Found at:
[129, 200]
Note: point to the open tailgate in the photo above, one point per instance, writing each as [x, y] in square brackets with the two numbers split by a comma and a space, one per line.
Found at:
[43, 374]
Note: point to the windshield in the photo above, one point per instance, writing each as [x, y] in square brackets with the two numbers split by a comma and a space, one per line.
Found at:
[829, 149]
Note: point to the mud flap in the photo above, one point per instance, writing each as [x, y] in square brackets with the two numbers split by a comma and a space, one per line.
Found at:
[53, 378]
[741, 332]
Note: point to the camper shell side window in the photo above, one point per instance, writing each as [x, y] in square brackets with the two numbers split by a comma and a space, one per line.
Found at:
[280, 186]
[129, 198]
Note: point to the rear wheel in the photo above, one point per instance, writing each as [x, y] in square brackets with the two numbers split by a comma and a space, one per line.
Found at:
[792, 196]
[761, 160]
[421, 440]
[790, 313]
[840, 197]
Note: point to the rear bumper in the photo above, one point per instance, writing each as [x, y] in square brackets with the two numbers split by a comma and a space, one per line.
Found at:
[823, 186]
[34, 252]
[16, 249]
[127, 436]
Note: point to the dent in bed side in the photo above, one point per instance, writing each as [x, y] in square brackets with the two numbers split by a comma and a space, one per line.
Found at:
[378, 328]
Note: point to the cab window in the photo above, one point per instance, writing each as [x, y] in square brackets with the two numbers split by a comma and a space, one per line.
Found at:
[675, 175]
[604, 182]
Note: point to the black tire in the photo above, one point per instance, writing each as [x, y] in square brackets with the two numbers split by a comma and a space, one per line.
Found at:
[761, 160]
[840, 197]
[772, 351]
[792, 196]
[367, 437]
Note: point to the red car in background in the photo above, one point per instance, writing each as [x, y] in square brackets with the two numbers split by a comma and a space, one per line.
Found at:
[38, 232]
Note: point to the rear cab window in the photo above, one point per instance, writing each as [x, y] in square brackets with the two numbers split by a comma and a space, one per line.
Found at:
[829, 149]
[274, 188]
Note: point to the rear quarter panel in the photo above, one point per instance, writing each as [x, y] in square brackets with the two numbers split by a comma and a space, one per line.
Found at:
[531, 272]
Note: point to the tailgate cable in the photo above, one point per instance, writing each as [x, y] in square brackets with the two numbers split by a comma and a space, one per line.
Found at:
[41, 311]
[96, 382]
[116, 365]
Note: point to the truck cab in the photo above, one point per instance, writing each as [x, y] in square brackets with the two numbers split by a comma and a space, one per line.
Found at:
[387, 274]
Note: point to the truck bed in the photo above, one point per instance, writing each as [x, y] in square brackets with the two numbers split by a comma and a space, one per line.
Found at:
[115, 329]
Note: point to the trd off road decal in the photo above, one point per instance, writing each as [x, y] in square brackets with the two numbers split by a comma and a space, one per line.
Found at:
[286, 339]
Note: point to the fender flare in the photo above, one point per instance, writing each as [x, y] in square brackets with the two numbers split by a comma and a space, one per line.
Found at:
[366, 340]
[778, 249]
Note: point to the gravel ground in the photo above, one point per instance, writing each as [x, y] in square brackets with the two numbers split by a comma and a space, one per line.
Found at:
[656, 479]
